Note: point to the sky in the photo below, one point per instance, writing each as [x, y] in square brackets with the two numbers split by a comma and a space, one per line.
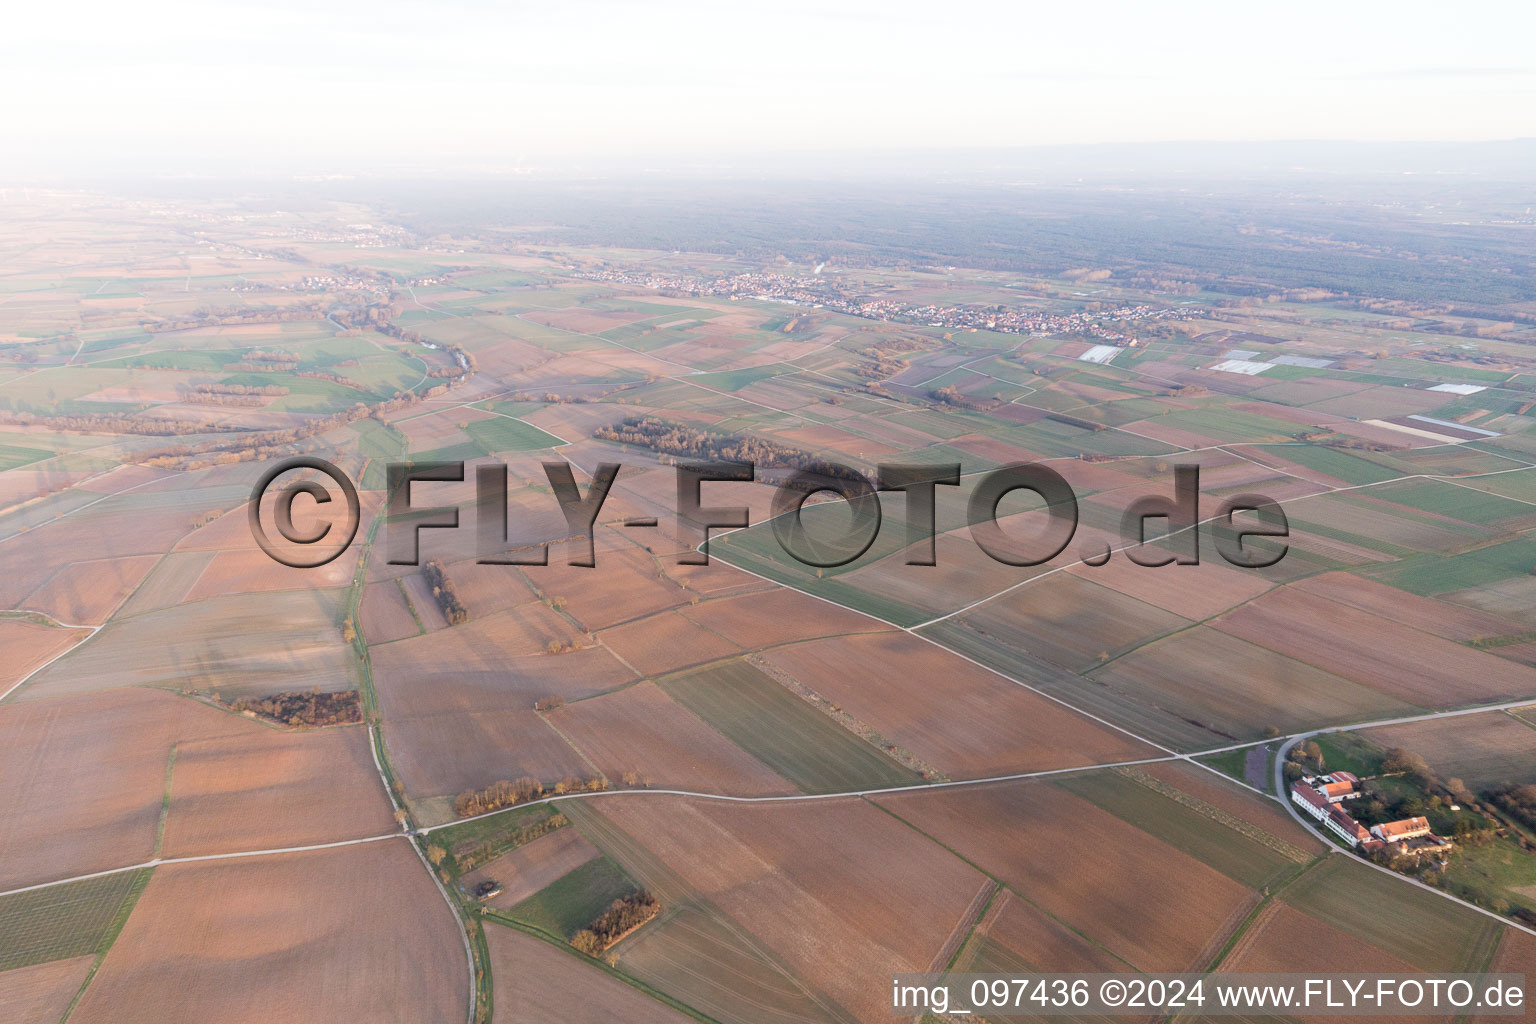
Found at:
[172, 86]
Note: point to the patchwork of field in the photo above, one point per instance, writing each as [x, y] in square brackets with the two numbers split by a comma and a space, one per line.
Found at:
[1146, 901]
[960, 717]
[1418, 927]
[536, 983]
[837, 889]
[352, 931]
[1413, 666]
[270, 788]
[237, 646]
[98, 769]
[145, 393]
[1203, 687]
[42, 993]
[784, 732]
[642, 730]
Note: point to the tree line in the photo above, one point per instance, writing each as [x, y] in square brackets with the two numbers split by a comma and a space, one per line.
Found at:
[622, 917]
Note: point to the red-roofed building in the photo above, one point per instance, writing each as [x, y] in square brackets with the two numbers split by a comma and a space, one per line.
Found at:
[1397, 831]
[1346, 828]
[1310, 800]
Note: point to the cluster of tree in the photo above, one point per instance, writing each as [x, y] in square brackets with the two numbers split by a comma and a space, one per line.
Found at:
[1074, 421]
[884, 358]
[313, 708]
[202, 519]
[106, 423]
[263, 390]
[1519, 802]
[549, 704]
[443, 590]
[496, 796]
[233, 317]
[622, 917]
[272, 357]
[275, 443]
[953, 396]
[208, 398]
[334, 378]
[509, 794]
[682, 440]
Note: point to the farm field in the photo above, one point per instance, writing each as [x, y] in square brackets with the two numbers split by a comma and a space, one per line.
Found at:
[823, 774]
[853, 873]
[204, 936]
[100, 767]
[963, 719]
[535, 983]
[642, 730]
[787, 734]
[1082, 865]
[1418, 927]
[1482, 750]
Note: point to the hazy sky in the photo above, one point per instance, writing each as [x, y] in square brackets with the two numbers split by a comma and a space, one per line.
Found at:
[316, 86]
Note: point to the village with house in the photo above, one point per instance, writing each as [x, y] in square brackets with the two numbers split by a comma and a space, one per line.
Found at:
[1324, 797]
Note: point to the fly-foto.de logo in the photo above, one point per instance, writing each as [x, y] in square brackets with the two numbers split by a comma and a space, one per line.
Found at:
[1156, 529]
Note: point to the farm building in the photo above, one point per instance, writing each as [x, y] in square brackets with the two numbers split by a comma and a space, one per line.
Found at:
[1310, 800]
[1397, 831]
[1346, 828]
[1320, 797]
[1316, 793]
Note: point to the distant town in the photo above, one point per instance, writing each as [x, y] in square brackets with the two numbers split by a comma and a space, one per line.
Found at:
[825, 293]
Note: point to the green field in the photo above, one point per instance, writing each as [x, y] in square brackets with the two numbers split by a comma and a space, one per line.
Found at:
[784, 732]
[66, 920]
[1344, 751]
[735, 380]
[1428, 931]
[1443, 499]
[13, 457]
[1184, 828]
[482, 840]
[504, 434]
[1349, 468]
[1431, 574]
[573, 901]
[1493, 871]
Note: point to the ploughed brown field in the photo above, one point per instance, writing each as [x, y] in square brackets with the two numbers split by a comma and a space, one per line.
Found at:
[267, 788]
[97, 770]
[1482, 750]
[384, 613]
[536, 984]
[1422, 613]
[42, 992]
[665, 642]
[354, 933]
[24, 646]
[1040, 941]
[1376, 651]
[777, 616]
[839, 890]
[1155, 907]
[86, 593]
[641, 729]
[966, 720]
